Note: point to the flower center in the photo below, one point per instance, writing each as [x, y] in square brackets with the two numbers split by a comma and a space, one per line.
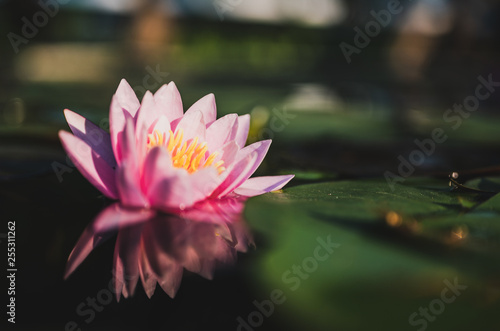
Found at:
[187, 155]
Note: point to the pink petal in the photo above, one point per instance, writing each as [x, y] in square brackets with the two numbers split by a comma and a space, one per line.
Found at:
[171, 277]
[202, 237]
[128, 172]
[243, 236]
[147, 275]
[87, 242]
[128, 141]
[174, 123]
[116, 216]
[260, 185]
[221, 131]
[116, 126]
[166, 269]
[166, 186]
[126, 97]
[243, 128]
[260, 147]
[202, 266]
[141, 144]
[126, 260]
[207, 106]
[148, 114]
[191, 261]
[237, 174]
[98, 139]
[224, 254]
[169, 101]
[206, 249]
[192, 125]
[176, 192]
[162, 126]
[124, 103]
[172, 188]
[118, 283]
[203, 183]
[93, 167]
[227, 153]
[158, 164]
[104, 226]
[128, 186]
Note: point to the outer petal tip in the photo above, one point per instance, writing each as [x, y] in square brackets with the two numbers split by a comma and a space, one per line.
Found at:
[260, 185]
[169, 101]
[126, 97]
[148, 94]
[123, 86]
[61, 133]
[97, 171]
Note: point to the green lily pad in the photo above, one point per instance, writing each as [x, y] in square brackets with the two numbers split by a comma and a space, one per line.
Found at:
[377, 275]
[490, 184]
[370, 200]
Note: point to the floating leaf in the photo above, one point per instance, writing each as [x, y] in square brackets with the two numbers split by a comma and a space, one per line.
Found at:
[382, 273]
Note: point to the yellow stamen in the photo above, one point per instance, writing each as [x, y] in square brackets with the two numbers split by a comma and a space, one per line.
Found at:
[218, 164]
[210, 159]
[190, 155]
[171, 141]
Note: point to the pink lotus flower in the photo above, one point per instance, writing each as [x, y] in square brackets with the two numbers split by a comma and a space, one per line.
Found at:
[158, 157]
[156, 247]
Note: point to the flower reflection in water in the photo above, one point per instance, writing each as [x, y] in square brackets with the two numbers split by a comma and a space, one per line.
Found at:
[156, 247]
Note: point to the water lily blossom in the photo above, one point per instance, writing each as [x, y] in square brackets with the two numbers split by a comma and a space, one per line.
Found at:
[157, 156]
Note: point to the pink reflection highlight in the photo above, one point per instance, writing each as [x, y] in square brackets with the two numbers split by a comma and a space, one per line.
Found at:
[157, 247]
